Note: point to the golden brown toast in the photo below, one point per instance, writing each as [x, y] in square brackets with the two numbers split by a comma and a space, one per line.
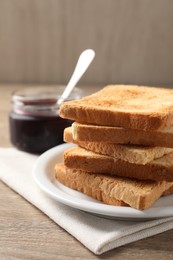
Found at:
[169, 191]
[112, 190]
[82, 159]
[129, 153]
[128, 106]
[120, 135]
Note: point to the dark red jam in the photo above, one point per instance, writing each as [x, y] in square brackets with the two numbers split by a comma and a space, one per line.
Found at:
[35, 125]
[36, 134]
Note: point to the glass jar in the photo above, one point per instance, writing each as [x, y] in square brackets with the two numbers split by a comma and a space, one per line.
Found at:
[35, 125]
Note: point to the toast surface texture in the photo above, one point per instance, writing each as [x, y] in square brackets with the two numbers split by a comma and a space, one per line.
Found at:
[128, 106]
[159, 169]
[129, 153]
[169, 191]
[112, 190]
[94, 133]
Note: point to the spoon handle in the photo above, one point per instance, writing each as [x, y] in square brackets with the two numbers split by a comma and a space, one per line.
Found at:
[83, 63]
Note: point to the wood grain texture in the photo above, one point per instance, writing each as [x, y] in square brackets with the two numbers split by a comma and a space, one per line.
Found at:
[40, 40]
[26, 233]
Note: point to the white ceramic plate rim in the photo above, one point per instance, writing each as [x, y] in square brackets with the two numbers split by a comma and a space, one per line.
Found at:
[43, 173]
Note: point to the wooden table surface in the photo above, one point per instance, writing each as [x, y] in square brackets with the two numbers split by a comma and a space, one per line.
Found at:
[26, 233]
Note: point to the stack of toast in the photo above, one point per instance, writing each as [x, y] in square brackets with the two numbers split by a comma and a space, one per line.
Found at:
[124, 145]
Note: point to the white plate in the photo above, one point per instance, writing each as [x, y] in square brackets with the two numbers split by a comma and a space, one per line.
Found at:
[43, 173]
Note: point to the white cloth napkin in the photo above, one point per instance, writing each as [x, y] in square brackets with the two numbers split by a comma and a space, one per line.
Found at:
[97, 234]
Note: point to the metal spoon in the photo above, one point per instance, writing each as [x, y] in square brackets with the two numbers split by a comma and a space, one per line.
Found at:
[83, 63]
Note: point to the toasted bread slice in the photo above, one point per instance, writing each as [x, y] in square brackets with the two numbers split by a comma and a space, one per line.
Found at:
[128, 106]
[82, 159]
[120, 135]
[169, 191]
[112, 190]
[129, 153]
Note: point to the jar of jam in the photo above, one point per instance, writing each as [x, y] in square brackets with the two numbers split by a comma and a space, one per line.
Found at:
[35, 125]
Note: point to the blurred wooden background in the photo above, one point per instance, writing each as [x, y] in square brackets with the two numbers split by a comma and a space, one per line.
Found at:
[40, 40]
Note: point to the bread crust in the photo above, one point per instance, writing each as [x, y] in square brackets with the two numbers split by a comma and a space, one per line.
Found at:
[159, 169]
[112, 190]
[128, 106]
[94, 133]
[169, 191]
[129, 153]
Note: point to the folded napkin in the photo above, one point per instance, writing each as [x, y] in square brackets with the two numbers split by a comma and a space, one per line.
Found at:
[97, 234]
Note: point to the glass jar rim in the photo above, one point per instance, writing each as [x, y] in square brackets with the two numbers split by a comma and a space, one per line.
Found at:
[40, 99]
[43, 94]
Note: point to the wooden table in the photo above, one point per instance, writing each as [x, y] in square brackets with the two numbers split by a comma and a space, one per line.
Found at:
[26, 233]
